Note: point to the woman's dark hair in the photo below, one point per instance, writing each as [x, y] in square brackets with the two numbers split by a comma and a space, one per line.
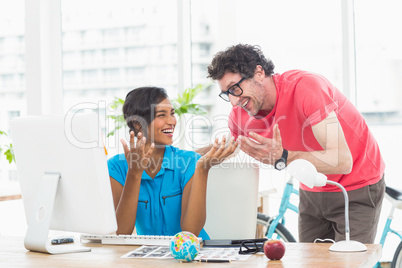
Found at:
[242, 59]
[139, 107]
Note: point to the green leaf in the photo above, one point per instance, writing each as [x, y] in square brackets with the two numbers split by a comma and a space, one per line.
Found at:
[196, 109]
[188, 94]
[175, 104]
[184, 109]
[121, 119]
[195, 91]
[10, 154]
[116, 103]
[111, 133]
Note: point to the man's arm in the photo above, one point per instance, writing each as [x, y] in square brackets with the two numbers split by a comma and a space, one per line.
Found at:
[334, 159]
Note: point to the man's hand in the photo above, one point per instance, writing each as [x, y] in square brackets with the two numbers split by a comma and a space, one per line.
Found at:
[262, 149]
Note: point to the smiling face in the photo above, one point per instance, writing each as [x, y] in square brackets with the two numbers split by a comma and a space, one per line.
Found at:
[162, 127]
[258, 95]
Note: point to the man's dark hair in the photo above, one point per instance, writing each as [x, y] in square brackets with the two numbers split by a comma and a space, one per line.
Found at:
[139, 107]
[242, 59]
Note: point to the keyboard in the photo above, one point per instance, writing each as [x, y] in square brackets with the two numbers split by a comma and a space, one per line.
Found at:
[150, 240]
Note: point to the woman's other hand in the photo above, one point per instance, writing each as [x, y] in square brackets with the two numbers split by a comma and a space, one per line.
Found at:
[138, 158]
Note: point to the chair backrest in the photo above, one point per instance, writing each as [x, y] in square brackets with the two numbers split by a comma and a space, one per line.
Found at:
[232, 197]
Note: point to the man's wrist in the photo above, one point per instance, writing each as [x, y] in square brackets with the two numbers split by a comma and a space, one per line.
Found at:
[282, 161]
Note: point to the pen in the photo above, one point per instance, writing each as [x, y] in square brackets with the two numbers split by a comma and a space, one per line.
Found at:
[214, 260]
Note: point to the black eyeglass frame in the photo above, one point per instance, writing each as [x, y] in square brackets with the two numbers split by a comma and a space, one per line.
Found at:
[252, 247]
[225, 95]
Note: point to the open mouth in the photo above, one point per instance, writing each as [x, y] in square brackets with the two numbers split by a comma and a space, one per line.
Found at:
[244, 104]
[168, 131]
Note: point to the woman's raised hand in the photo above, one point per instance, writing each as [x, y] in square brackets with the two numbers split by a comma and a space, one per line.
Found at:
[219, 152]
[136, 155]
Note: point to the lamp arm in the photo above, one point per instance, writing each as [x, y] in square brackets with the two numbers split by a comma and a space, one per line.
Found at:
[345, 194]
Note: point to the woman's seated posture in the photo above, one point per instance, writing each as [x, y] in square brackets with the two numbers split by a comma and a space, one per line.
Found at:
[158, 188]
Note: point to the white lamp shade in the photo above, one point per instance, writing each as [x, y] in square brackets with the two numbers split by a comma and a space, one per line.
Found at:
[306, 173]
[320, 180]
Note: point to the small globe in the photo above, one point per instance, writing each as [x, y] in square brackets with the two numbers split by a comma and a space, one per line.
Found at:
[184, 246]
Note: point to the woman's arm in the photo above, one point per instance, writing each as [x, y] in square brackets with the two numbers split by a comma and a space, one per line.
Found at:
[194, 194]
[126, 209]
[202, 151]
[126, 198]
[125, 214]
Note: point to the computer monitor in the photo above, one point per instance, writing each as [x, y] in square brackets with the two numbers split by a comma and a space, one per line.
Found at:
[232, 200]
[62, 168]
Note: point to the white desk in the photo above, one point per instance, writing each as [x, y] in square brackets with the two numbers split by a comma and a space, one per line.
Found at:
[13, 254]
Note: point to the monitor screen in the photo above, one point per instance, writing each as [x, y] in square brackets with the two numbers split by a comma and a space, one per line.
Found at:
[232, 198]
[62, 169]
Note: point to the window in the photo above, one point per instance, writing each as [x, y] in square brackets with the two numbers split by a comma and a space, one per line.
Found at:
[133, 34]
[205, 50]
[13, 175]
[12, 62]
[12, 44]
[133, 74]
[7, 80]
[135, 56]
[12, 82]
[111, 75]
[92, 37]
[379, 83]
[90, 57]
[111, 55]
[89, 76]
[12, 114]
[113, 48]
[378, 60]
[71, 59]
[71, 39]
[111, 36]
[70, 78]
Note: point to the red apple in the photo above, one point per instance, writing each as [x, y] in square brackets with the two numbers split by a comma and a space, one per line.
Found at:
[274, 249]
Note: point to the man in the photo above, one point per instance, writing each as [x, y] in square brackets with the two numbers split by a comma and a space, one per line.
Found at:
[278, 118]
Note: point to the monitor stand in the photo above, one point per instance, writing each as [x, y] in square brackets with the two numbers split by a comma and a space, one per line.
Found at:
[36, 238]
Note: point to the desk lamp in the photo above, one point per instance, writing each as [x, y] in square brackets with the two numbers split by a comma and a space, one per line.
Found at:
[306, 173]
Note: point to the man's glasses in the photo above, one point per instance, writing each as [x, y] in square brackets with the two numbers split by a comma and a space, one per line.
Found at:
[234, 90]
[251, 247]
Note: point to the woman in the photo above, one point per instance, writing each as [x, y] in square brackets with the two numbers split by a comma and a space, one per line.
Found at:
[158, 188]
